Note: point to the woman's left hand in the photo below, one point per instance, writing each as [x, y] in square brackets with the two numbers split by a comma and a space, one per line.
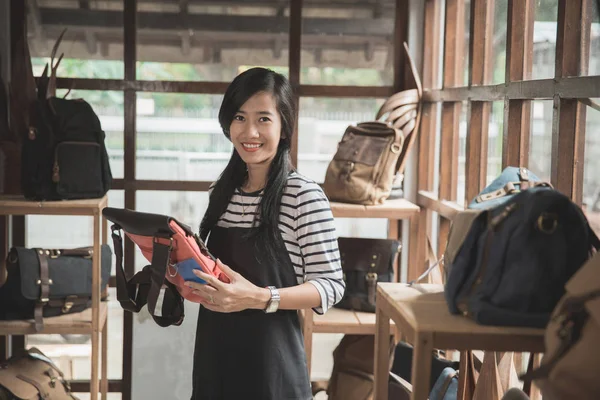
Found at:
[240, 294]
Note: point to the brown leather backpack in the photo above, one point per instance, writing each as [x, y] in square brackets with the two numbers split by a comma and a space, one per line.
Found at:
[371, 154]
[30, 375]
[352, 377]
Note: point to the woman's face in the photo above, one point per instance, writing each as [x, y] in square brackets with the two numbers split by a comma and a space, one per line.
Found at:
[256, 129]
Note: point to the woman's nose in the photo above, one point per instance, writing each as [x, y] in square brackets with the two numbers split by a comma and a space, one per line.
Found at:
[252, 130]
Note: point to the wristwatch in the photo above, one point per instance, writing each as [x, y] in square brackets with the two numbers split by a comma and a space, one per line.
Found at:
[273, 304]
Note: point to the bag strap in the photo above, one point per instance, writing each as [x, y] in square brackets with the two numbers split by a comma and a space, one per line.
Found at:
[148, 286]
[437, 277]
[44, 283]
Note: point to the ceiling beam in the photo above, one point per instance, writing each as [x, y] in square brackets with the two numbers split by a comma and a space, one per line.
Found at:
[158, 22]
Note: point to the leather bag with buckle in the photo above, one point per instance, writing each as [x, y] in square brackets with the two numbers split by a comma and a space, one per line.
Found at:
[30, 375]
[372, 154]
[508, 265]
[166, 243]
[49, 282]
[365, 262]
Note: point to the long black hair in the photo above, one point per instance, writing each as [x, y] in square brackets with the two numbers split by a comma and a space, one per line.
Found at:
[234, 175]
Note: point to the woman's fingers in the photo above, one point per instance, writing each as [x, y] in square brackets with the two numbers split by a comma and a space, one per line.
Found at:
[211, 280]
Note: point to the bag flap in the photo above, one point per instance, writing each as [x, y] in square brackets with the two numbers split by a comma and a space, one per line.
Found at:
[586, 280]
[31, 363]
[363, 254]
[461, 225]
[70, 275]
[140, 223]
[493, 194]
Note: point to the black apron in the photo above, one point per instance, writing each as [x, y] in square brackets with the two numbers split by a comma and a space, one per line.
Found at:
[249, 354]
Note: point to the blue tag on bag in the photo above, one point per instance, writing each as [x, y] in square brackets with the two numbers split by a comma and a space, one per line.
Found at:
[186, 269]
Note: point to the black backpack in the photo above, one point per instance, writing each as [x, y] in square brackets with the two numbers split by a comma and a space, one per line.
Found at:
[63, 152]
[514, 259]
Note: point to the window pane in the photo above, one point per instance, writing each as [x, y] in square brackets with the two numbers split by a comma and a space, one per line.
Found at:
[544, 39]
[462, 152]
[179, 137]
[499, 41]
[188, 208]
[210, 42]
[467, 37]
[594, 62]
[540, 146]
[348, 46]
[495, 131]
[92, 44]
[591, 180]
[108, 105]
[322, 123]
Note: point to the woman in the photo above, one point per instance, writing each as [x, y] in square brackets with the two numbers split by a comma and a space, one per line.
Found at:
[273, 232]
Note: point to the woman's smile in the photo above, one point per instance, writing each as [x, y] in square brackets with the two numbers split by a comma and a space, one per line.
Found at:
[251, 147]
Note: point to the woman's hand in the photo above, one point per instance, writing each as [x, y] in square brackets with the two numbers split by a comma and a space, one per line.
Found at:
[240, 294]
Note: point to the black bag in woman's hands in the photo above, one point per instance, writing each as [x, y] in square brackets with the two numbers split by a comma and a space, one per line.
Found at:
[366, 262]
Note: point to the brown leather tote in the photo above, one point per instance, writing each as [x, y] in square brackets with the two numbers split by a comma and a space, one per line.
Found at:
[30, 375]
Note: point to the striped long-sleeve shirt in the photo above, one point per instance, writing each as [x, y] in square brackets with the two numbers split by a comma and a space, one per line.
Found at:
[308, 230]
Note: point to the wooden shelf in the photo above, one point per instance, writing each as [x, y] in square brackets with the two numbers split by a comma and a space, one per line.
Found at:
[337, 320]
[77, 323]
[17, 205]
[390, 209]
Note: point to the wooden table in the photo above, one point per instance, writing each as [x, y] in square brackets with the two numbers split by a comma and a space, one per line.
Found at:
[421, 315]
[92, 321]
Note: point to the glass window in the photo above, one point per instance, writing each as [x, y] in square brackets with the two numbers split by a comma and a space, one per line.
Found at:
[499, 41]
[540, 145]
[109, 106]
[594, 62]
[188, 208]
[322, 123]
[495, 136]
[179, 137]
[591, 180]
[462, 152]
[348, 46]
[467, 36]
[92, 44]
[544, 39]
[192, 41]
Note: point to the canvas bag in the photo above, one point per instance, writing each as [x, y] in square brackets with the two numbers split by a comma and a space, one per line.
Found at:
[569, 368]
[372, 153]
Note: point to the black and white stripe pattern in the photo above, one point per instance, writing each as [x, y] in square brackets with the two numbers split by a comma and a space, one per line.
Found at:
[308, 230]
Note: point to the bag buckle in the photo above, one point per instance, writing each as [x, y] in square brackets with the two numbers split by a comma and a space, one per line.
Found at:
[68, 304]
[54, 253]
[371, 276]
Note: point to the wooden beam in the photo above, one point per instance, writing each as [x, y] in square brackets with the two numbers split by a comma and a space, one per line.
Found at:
[295, 63]
[345, 91]
[519, 55]
[76, 19]
[480, 67]
[446, 209]
[453, 77]
[568, 136]
[400, 36]
[567, 88]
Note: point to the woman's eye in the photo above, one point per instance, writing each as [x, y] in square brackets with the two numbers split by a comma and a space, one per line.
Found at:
[264, 119]
[238, 118]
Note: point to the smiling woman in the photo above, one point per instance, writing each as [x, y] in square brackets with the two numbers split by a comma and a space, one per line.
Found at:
[273, 232]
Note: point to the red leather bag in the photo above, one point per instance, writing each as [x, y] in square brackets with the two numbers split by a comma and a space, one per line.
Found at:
[166, 243]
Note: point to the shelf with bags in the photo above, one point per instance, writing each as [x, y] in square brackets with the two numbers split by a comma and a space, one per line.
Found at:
[351, 322]
[92, 321]
[77, 324]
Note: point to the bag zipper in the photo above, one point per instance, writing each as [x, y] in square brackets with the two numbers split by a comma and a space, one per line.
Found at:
[493, 224]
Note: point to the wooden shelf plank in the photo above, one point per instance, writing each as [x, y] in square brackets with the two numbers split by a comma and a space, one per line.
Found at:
[17, 205]
[390, 209]
[337, 320]
[78, 323]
